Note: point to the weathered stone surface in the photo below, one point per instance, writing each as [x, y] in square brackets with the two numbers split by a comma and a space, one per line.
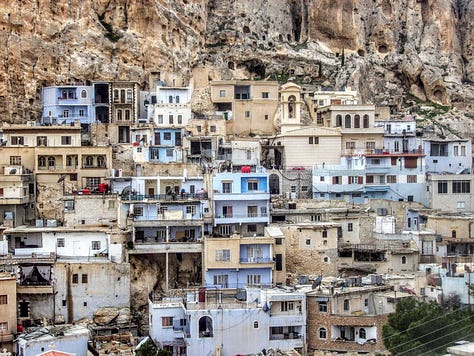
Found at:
[384, 48]
[104, 316]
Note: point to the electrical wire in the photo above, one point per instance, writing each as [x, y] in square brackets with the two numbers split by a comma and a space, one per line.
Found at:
[446, 344]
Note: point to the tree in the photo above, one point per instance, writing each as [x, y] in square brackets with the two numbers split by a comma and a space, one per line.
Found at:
[149, 349]
[419, 326]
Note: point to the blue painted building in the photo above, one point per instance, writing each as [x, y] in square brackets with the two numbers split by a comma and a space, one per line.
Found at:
[382, 175]
[67, 104]
[241, 203]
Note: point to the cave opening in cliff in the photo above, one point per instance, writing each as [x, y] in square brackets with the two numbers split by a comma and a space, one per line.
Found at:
[255, 66]
[296, 20]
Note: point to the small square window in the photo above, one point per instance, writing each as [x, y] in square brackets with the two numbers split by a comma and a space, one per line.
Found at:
[63, 302]
[84, 278]
[265, 95]
[75, 278]
[308, 242]
[222, 93]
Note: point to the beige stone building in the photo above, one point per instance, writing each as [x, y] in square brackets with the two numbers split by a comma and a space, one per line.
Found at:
[312, 248]
[349, 317]
[250, 106]
[450, 192]
[8, 310]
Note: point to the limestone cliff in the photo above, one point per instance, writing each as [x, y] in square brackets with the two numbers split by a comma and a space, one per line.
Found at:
[385, 48]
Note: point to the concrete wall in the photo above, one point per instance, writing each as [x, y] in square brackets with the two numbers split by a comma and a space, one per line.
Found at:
[108, 284]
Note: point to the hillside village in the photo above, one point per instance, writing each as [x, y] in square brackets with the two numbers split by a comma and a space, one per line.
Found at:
[195, 211]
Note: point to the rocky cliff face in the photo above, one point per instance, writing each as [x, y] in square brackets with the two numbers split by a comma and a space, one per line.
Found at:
[385, 48]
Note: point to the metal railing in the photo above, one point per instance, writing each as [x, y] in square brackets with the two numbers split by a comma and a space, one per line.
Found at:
[167, 197]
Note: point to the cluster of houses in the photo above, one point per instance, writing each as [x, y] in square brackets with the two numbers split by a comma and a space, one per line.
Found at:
[294, 219]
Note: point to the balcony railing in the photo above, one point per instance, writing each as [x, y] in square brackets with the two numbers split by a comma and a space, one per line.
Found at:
[237, 216]
[256, 260]
[167, 197]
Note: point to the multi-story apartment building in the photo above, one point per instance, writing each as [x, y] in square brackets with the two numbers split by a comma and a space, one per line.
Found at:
[450, 192]
[123, 110]
[68, 104]
[241, 203]
[206, 322]
[236, 262]
[167, 215]
[250, 106]
[348, 317]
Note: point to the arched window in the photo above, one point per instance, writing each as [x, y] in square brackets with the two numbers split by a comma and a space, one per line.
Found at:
[89, 161]
[41, 161]
[51, 161]
[170, 99]
[326, 258]
[116, 95]
[356, 121]
[101, 161]
[84, 94]
[70, 94]
[291, 106]
[322, 333]
[404, 260]
[366, 121]
[69, 161]
[346, 304]
[362, 333]
[338, 120]
[347, 121]
[127, 114]
[119, 115]
[64, 94]
[205, 327]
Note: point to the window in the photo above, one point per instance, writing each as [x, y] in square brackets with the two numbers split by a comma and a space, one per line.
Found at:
[362, 333]
[366, 121]
[191, 209]
[221, 280]
[453, 234]
[51, 161]
[357, 121]
[198, 128]
[247, 114]
[166, 321]
[323, 307]
[116, 95]
[350, 145]
[92, 182]
[69, 205]
[322, 334]
[254, 279]
[84, 278]
[266, 117]
[443, 187]
[411, 162]
[222, 255]
[347, 121]
[226, 187]
[304, 188]
[65, 113]
[456, 151]
[205, 327]
[222, 93]
[313, 140]
[460, 205]
[3, 299]
[160, 119]
[461, 186]
[391, 179]
[411, 178]
[119, 115]
[169, 152]
[73, 177]
[225, 230]
[95, 245]
[61, 242]
[255, 324]
[338, 120]
[89, 161]
[439, 149]
[287, 306]
[167, 136]
[308, 241]
[3, 326]
[293, 188]
[213, 128]
[346, 304]
[350, 227]
[138, 211]
[75, 278]
[66, 140]
[17, 140]
[252, 185]
[366, 302]
[81, 113]
[129, 95]
[278, 241]
[252, 228]
[404, 260]
[265, 95]
[15, 160]
[83, 94]
[370, 145]
[227, 211]
[127, 114]
[396, 146]
[324, 233]
[263, 211]
[170, 119]
[180, 121]
[463, 151]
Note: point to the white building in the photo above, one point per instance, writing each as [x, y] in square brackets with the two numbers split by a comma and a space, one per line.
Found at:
[209, 322]
[172, 107]
[67, 338]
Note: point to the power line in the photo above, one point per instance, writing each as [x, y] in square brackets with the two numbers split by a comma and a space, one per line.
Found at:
[444, 345]
[429, 342]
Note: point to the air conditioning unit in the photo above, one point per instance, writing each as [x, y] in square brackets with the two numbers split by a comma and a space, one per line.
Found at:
[13, 170]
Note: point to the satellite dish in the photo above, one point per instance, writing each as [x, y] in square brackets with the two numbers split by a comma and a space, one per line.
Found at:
[13, 171]
[265, 307]
[126, 191]
[62, 178]
[317, 282]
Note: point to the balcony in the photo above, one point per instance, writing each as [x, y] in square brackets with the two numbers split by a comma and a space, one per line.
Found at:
[256, 260]
[15, 200]
[241, 218]
[166, 197]
[252, 195]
